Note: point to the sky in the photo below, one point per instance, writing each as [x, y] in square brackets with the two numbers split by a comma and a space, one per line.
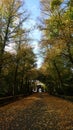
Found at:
[33, 6]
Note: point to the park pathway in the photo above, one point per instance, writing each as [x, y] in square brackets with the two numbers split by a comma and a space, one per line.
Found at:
[39, 111]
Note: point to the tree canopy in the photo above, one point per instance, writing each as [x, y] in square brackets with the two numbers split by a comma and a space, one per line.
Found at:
[58, 45]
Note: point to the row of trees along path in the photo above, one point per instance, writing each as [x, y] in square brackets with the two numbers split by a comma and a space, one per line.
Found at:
[39, 111]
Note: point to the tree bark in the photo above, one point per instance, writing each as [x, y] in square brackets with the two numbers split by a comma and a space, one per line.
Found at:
[58, 73]
[69, 53]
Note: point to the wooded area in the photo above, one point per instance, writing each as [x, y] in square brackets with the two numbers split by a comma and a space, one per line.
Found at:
[18, 70]
[57, 46]
[17, 67]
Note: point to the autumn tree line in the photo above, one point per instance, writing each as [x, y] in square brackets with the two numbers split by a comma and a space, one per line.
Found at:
[17, 66]
[57, 46]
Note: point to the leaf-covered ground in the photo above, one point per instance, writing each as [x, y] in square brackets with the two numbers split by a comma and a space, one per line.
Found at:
[37, 112]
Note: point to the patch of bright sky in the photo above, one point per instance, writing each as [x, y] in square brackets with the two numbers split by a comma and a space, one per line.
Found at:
[64, 4]
[11, 48]
[33, 6]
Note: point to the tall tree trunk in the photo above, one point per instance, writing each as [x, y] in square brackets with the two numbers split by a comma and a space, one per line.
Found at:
[58, 73]
[69, 53]
[4, 43]
[15, 89]
[27, 85]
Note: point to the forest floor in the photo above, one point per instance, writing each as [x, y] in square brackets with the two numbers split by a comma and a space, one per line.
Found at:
[39, 111]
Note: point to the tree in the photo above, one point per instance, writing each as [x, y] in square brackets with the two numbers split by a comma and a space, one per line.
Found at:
[58, 43]
[10, 15]
[25, 63]
[18, 71]
[58, 26]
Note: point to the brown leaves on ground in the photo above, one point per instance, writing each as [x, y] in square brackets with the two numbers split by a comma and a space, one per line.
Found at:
[9, 112]
[37, 112]
[63, 110]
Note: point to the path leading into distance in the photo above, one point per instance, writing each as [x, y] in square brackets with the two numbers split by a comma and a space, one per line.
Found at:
[37, 112]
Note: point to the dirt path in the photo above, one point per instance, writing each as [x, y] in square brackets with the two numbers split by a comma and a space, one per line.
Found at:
[37, 112]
